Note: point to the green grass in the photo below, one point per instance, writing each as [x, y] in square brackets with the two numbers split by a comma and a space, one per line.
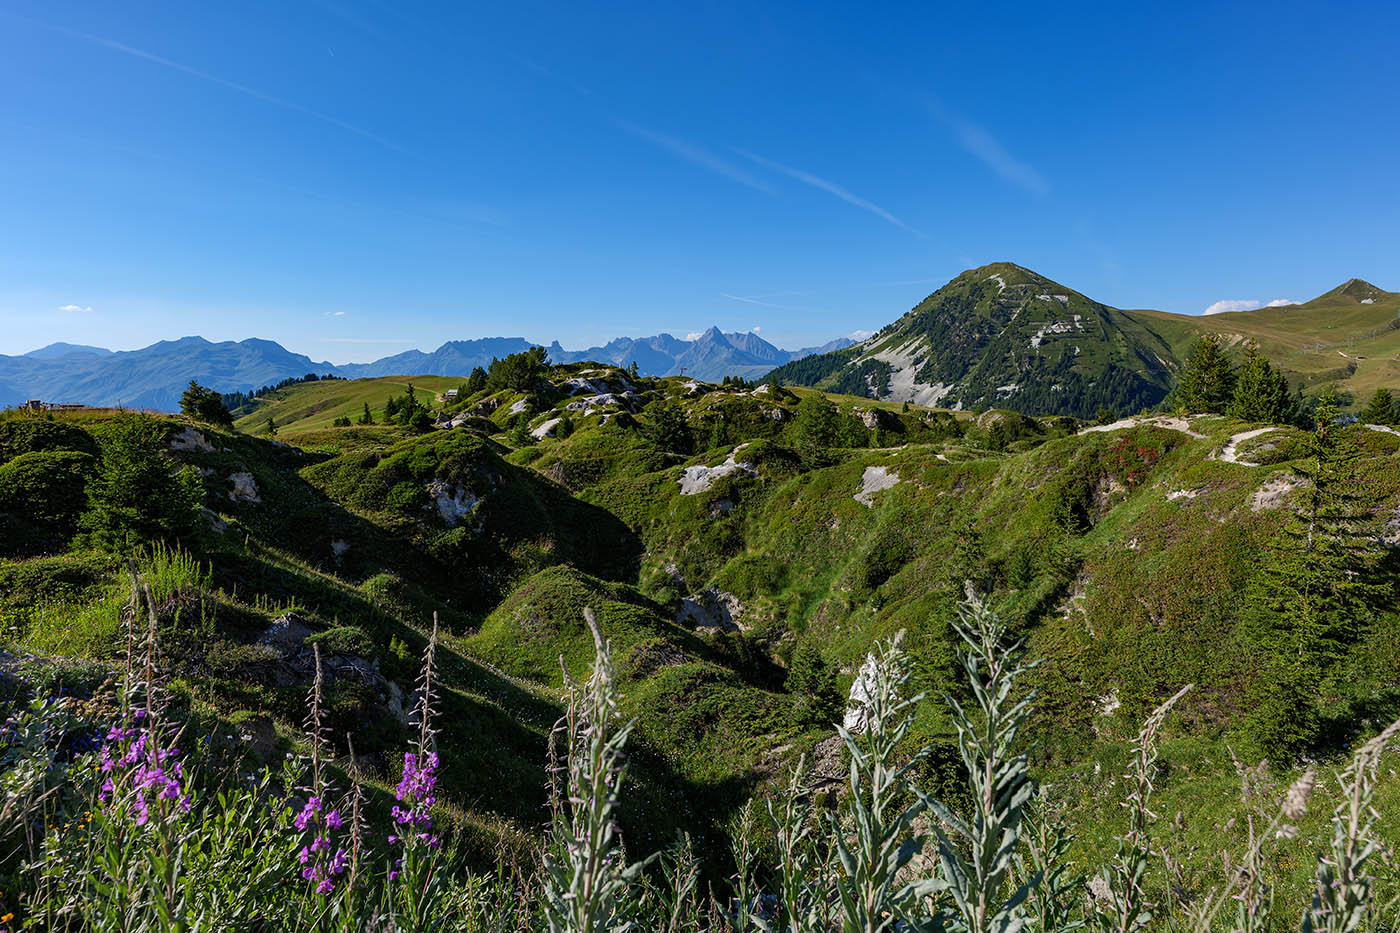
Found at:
[313, 406]
[1142, 594]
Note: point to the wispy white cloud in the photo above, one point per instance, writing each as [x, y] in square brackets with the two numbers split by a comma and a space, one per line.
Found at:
[694, 335]
[829, 187]
[989, 150]
[75, 308]
[763, 300]
[335, 314]
[697, 156]
[859, 335]
[755, 329]
[1245, 304]
[235, 86]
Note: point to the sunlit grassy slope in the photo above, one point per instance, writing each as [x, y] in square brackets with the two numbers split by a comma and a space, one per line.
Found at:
[1124, 556]
[314, 405]
[1338, 338]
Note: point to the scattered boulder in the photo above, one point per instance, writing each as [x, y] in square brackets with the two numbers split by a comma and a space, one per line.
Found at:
[721, 507]
[1273, 493]
[485, 407]
[875, 479]
[453, 503]
[697, 479]
[286, 634]
[858, 711]
[191, 440]
[713, 609]
[244, 488]
[547, 429]
[518, 406]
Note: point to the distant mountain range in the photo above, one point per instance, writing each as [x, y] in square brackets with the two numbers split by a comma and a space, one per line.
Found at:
[154, 376]
[1002, 336]
[999, 336]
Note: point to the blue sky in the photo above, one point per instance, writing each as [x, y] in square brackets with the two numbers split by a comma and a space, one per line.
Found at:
[355, 177]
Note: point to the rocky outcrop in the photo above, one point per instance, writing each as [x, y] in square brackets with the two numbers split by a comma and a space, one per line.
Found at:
[858, 712]
[875, 479]
[453, 502]
[190, 440]
[244, 488]
[713, 610]
[546, 429]
[697, 479]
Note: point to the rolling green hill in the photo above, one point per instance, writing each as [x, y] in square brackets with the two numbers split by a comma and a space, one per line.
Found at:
[316, 405]
[713, 552]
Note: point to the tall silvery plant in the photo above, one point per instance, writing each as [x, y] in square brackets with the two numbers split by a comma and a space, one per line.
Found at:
[586, 877]
[880, 839]
[977, 851]
[1344, 883]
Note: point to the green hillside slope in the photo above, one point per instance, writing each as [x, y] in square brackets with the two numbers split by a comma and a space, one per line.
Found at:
[720, 534]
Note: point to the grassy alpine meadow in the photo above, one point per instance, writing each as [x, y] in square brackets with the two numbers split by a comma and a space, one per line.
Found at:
[580, 650]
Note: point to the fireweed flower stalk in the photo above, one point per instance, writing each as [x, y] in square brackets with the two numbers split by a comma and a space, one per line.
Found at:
[322, 862]
[414, 873]
[139, 773]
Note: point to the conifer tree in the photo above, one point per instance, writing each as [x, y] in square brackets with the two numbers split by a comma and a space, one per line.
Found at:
[1207, 383]
[668, 428]
[475, 382]
[205, 405]
[1261, 392]
[520, 432]
[367, 417]
[1381, 409]
[1318, 592]
[816, 427]
[271, 426]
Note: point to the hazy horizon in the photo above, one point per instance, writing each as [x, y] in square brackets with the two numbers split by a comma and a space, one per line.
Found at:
[354, 179]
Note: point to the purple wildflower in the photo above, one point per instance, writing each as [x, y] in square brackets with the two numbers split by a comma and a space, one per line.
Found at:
[133, 761]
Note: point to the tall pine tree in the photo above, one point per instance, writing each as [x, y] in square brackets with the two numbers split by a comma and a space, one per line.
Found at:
[1261, 392]
[1381, 410]
[1317, 593]
[1207, 383]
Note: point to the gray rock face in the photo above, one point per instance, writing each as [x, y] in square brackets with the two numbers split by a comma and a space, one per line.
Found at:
[713, 610]
[286, 634]
[244, 488]
[191, 440]
[546, 429]
[875, 479]
[589, 403]
[453, 503]
[697, 479]
[858, 712]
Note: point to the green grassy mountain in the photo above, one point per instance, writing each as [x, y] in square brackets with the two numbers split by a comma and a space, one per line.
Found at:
[1004, 336]
[715, 553]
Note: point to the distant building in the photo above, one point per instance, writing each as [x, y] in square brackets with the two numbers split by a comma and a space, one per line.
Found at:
[449, 394]
[35, 404]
